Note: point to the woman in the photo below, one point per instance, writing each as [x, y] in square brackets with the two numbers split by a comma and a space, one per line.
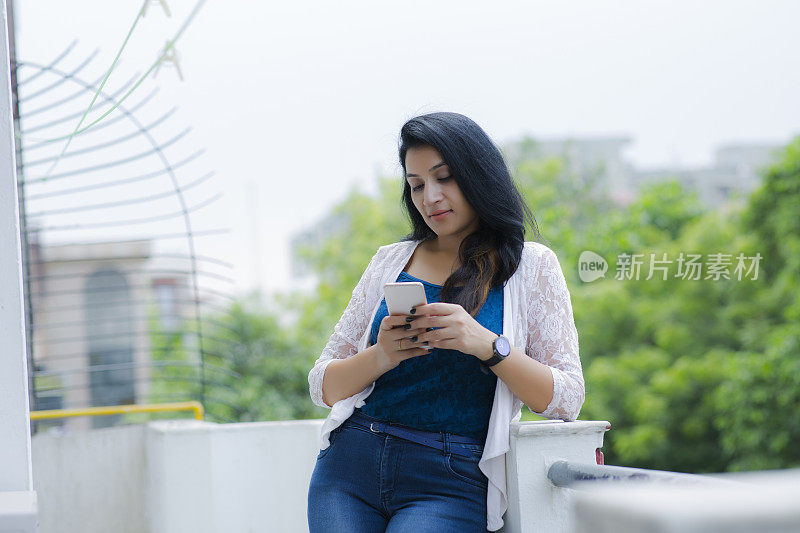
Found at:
[421, 404]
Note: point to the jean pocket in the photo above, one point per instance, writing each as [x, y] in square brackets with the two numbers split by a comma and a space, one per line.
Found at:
[466, 469]
[331, 439]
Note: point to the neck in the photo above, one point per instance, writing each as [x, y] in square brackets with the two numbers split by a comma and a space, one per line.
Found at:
[447, 245]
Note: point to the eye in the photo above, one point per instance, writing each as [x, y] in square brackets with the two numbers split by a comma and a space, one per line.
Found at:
[419, 187]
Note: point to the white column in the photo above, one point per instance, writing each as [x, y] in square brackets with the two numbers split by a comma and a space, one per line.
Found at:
[534, 503]
[15, 440]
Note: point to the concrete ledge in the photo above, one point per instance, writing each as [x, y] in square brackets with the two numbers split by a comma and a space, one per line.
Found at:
[559, 427]
[764, 502]
[198, 426]
[18, 511]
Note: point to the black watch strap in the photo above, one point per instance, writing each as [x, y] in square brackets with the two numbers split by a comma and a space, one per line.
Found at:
[502, 349]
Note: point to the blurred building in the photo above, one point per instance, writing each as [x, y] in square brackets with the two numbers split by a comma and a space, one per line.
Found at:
[735, 171]
[597, 160]
[94, 307]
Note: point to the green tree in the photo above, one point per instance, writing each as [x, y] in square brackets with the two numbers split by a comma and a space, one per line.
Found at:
[727, 348]
[253, 368]
[757, 408]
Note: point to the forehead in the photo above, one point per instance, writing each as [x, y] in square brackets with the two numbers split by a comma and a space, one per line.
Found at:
[419, 160]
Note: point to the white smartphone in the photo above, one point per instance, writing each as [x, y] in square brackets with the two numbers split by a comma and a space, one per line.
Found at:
[402, 296]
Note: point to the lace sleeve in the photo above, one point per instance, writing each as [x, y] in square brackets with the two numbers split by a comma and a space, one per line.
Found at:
[553, 338]
[346, 334]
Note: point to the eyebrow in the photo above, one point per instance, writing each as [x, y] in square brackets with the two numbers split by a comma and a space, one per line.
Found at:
[434, 167]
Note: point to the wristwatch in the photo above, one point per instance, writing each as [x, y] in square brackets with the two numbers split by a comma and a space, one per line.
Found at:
[501, 348]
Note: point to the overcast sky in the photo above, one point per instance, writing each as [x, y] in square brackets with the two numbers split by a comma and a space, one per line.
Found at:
[297, 101]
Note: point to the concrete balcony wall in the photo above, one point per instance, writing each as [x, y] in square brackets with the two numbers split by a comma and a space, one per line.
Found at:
[91, 480]
[204, 477]
[190, 476]
[763, 502]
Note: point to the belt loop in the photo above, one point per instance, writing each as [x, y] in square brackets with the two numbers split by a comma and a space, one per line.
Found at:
[446, 439]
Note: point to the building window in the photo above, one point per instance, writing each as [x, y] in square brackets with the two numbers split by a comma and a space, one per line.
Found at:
[109, 332]
[166, 296]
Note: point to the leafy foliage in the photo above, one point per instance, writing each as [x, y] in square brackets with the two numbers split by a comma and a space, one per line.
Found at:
[727, 350]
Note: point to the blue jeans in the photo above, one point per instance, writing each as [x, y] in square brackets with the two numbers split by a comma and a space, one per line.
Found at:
[367, 482]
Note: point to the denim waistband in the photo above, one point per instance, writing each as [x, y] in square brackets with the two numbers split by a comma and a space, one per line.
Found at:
[443, 440]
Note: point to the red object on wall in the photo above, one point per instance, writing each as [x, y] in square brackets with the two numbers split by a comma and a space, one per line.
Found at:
[599, 456]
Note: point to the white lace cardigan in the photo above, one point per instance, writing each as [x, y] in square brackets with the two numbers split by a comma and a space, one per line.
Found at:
[537, 315]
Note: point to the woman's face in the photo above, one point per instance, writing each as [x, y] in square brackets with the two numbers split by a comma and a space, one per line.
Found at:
[436, 195]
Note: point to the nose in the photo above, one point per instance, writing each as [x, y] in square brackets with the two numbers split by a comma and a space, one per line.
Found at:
[432, 193]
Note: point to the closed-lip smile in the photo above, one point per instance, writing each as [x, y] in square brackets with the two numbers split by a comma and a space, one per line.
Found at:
[440, 212]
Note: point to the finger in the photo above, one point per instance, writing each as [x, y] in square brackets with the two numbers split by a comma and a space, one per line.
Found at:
[405, 343]
[411, 343]
[400, 333]
[437, 335]
[414, 340]
[403, 321]
[393, 321]
[409, 322]
[437, 308]
[432, 322]
[387, 323]
[415, 352]
[409, 347]
[447, 344]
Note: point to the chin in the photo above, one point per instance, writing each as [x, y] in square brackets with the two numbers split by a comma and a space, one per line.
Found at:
[435, 233]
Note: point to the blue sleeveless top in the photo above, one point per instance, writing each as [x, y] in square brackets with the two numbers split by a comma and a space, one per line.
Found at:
[444, 390]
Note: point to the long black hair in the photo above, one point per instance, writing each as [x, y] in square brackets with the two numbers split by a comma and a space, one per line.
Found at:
[491, 254]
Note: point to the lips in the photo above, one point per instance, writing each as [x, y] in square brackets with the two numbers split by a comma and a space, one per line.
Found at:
[440, 212]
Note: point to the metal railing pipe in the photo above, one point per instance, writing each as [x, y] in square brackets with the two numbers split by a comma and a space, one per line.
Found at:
[567, 473]
[193, 406]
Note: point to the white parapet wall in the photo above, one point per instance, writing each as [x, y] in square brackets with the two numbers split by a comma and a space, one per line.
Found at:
[91, 480]
[535, 504]
[762, 502]
[176, 476]
[18, 511]
[190, 476]
[204, 477]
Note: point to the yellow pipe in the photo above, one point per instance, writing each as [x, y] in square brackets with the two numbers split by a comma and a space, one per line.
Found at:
[197, 407]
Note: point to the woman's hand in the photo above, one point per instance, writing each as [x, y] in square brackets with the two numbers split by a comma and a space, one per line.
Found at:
[398, 340]
[457, 330]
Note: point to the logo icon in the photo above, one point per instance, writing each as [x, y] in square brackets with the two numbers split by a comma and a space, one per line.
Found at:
[591, 266]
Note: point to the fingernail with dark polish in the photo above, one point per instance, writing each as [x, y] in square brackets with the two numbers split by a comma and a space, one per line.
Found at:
[428, 329]
[413, 310]
[410, 318]
[425, 343]
[414, 338]
[407, 326]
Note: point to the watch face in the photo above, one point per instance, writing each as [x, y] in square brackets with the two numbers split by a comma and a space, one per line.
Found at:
[502, 346]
